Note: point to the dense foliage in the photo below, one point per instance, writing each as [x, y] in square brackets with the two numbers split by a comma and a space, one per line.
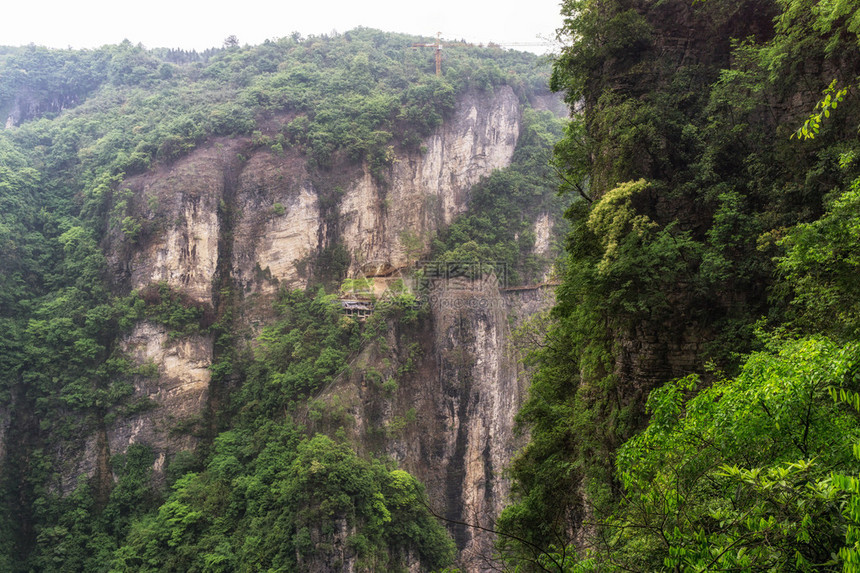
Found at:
[716, 177]
[267, 494]
[740, 475]
[280, 508]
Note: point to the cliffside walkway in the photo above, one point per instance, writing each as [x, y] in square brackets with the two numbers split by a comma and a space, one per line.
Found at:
[530, 287]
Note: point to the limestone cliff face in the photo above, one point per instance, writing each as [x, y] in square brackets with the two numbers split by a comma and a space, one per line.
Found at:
[28, 105]
[179, 207]
[172, 395]
[453, 384]
[281, 224]
[543, 234]
[232, 208]
[277, 224]
[177, 390]
[427, 190]
[480, 394]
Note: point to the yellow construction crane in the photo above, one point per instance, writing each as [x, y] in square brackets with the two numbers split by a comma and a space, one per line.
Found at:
[438, 45]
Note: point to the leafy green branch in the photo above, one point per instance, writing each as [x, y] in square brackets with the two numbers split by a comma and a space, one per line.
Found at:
[832, 98]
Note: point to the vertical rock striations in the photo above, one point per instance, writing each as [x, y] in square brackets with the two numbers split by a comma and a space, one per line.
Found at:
[426, 190]
[450, 418]
[480, 396]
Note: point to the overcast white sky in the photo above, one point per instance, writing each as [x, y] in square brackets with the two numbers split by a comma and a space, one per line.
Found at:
[195, 24]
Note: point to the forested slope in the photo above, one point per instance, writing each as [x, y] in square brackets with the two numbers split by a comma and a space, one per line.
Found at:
[175, 369]
[695, 405]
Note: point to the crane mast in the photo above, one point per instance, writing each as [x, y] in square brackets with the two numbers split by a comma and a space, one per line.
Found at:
[438, 46]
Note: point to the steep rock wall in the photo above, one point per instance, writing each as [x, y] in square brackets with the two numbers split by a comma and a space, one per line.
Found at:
[440, 397]
[282, 225]
[178, 207]
[258, 215]
[262, 218]
[28, 105]
[173, 398]
[279, 224]
[425, 191]
[480, 396]
[178, 390]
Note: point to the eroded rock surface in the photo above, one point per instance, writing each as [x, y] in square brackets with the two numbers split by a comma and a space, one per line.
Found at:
[426, 190]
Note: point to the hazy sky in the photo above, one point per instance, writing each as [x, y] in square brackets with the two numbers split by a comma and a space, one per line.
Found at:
[196, 24]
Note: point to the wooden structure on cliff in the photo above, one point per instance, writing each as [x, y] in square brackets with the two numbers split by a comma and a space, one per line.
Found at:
[354, 308]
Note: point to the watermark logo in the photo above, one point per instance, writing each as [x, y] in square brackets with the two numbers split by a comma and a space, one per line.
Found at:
[460, 275]
[438, 282]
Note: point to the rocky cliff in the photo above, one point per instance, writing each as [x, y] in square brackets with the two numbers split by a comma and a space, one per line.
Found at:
[240, 216]
[281, 216]
[440, 398]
